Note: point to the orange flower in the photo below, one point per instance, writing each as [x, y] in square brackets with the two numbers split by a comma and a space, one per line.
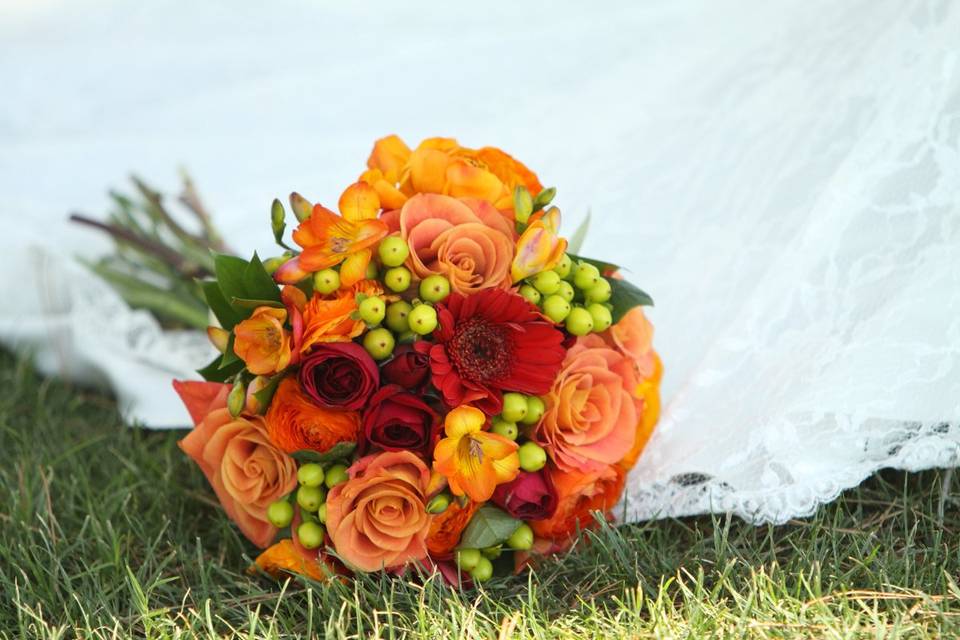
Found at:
[468, 241]
[329, 320]
[446, 527]
[328, 239]
[474, 461]
[591, 415]
[633, 335]
[378, 518]
[579, 495]
[295, 423]
[245, 469]
[649, 392]
[540, 247]
[261, 342]
[283, 557]
[441, 165]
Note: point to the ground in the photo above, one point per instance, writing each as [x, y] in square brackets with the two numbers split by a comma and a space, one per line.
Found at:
[109, 532]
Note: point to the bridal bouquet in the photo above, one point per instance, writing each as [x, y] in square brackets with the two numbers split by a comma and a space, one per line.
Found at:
[427, 376]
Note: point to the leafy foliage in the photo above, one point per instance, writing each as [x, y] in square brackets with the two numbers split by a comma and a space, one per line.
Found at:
[488, 527]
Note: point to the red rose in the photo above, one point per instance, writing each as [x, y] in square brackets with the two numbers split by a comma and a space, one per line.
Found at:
[530, 496]
[339, 375]
[409, 368]
[397, 420]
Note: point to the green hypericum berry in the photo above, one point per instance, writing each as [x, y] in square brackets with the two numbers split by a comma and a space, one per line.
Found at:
[514, 407]
[280, 514]
[393, 251]
[422, 319]
[396, 319]
[586, 276]
[310, 498]
[492, 552]
[335, 475]
[310, 535]
[564, 266]
[546, 282]
[310, 474]
[579, 322]
[397, 279]
[467, 559]
[505, 428]
[566, 291]
[326, 281]
[530, 294]
[483, 570]
[532, 456]
[522, 538]
[602, 318]
[535, 410]
[379, 343]
[372, 310]
[556, 308]
[599, 292]
[270, 265]
[322, 513]
[434, 288]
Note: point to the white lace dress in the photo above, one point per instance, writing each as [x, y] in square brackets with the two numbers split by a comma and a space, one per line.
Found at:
[783, 178]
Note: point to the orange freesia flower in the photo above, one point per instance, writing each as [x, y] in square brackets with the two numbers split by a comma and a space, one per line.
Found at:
[474, 461]
[328, 239]
[261, 341]
[295, 423]
[447, 527]
[283, 557]
[441, 165]
[328, 320]
[540, 247]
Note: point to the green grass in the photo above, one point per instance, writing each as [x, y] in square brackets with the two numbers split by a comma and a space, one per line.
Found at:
[109, 532]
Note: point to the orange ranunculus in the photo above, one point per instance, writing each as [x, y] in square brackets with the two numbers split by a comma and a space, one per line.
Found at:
[474, 461]
[649, 393]
[243, 466]
[468, 241]
[261, 341]
[446, 527]
[295, 423]
[540, 247]
[328, 239]
[633, 335]
[283, 557]
[378, 518]
[578, 496]
[329, 319]
[591, 415]
[441, 165]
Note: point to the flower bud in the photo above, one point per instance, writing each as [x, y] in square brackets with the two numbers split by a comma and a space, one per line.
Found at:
[544, 198]
[438, 504]
[256, 385]
[277, 215]
[301, 206]
[237, 398]
[218, 338]
[522, 204]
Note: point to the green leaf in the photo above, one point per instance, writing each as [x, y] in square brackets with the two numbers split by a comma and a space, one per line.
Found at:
[244, 280]
[248, 303]
[625, 296]
[213, 373]
[259, 283]
[265, 395]
[575, 243]
[339, 451]
[603, 265]
[229, 355]
[225, 313]
[230, 273]
[488, 527]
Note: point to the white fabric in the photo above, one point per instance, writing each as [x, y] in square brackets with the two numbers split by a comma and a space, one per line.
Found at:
[783, 178]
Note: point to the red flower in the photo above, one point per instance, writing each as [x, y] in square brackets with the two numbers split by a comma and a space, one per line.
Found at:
[529, 496]
[339, 375]
[490, 342]
[408, 368]
[397, 420]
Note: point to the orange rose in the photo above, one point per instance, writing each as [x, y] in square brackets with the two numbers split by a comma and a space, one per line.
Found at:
[441, 165]
[633, 335]
[245, 469]
[295, 423]
[378, 518]
[579, 495]
[468, 241]
[446, 527]
[261, 342]
[329, 319]
[591, 415]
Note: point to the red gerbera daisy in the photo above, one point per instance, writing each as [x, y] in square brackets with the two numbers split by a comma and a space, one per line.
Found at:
[488, 343]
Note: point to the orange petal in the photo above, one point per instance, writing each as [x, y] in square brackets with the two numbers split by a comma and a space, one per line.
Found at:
[359, 201]
[291, 272]
[538, 249]
[390, 156]
[354, 268]
[463, 420]
[428, 170]
[465, 180]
